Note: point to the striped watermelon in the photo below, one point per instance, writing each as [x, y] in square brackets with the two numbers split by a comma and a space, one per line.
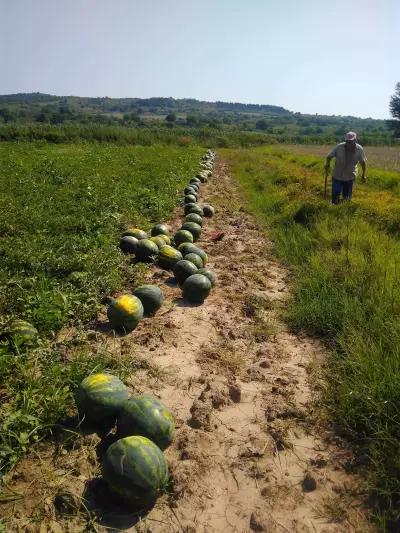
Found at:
[128, 244]
[145, 415]
[196, 288]
[208, 274]
[135, 469]
[192, 217]
[195, 229]
[159, 229]
[100, 396]
[182, 236]
[195, 259]
[22, 334]
[135, 232]
[146, 250]
[125, 312]
[183, 269]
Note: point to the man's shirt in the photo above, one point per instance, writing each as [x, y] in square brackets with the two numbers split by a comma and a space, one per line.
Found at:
[346, 161]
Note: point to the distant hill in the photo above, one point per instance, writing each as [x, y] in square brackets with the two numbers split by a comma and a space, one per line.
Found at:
[159, 112]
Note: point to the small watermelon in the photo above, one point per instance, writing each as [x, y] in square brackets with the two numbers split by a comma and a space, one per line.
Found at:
[182, 236]
[183, 269]
[22, 334]
[208, 274]
[158, 240]
[128, 244]
[190, 199]
[125, 312]
[135, 232]
[159, 229]
[166, 238]
[100, 396]
[189, 190]
[146, 250]
[135, 469]
[194, 209]
[196, 288]
[187, 207]
[192, 217]
[195, 259]
[195, 229]
[145, 415]
[151, 297]
[208, 210]
[168, 256]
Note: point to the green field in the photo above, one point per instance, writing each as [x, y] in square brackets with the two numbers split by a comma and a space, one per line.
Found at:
[62, 210]
[345, 262]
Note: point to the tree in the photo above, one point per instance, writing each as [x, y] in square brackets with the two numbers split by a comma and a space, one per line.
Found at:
[171, 117]
[262, 124]
[394, 107]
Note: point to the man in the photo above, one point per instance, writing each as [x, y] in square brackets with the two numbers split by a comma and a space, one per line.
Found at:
[348, 154]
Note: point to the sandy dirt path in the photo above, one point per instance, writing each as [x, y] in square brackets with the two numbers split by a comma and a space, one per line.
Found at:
[250, 453]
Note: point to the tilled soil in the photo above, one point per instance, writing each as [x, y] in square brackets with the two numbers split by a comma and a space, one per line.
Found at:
[251, 452]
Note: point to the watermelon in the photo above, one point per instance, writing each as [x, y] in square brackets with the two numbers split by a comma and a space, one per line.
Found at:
[195, 181]
[146, 250]
[166, 238]
[158, 240]
[193, 217]
[125, 312]
[128, 244]
[194, 209]
[208, 210]
[190, 199]
[22, 334]
[151, 297]
[135, 232]
[159, 229]
[100, 397]
[196, 288]
[195, 259]
[190, 190]
[135, 469]
[182, 236]
[145, 415]
[168, 256]
[208, 274]
[195, 229]
[183, 269]
[188, 248]
[188, 206]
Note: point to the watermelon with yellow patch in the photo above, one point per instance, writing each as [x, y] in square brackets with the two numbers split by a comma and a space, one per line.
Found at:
[145, 415]
[135, 232]
[168, 256]
[135, 469]
[125, 312]
[100, 397]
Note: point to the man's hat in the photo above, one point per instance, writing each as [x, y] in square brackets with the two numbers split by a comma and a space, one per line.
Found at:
[350, 136]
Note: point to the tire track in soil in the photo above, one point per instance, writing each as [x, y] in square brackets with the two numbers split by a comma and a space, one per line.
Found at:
[249, 454]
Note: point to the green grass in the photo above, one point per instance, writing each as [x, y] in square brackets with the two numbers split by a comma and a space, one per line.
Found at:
[346, 269]
[62, 210]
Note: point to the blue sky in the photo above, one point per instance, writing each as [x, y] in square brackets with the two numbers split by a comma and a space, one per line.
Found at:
[327, 57]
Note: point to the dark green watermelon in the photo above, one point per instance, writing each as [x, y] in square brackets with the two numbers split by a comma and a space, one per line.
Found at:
[196, 288]
[146, 250]
[209, 274]
[168, 256]
[190, 190]
[192, 217]
[151, 297]
[159, 229]
[100, 396]
[208, 210]
[195, 259]
[135, 469]
[128, 244]
[125, 312]
[190, 199]
[145, 415]
[182, 236]
[188, 206]
[183, 269]
[188, 248]
[194, 209]
[195, 229]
